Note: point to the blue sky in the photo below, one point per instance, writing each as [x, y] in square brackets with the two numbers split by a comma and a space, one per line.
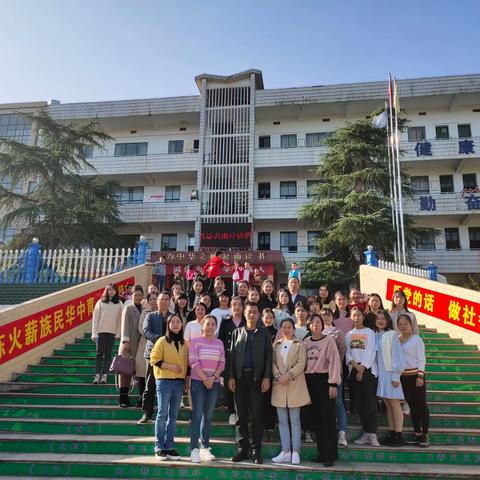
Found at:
[91, 50]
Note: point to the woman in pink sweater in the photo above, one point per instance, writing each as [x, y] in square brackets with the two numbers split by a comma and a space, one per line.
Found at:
[323, 377]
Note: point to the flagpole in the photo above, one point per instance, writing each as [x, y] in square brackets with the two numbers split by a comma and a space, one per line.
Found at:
[399, 178]
[392, 186]
[392, 153]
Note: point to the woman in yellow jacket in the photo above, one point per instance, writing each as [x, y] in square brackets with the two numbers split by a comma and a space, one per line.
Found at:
[169, 359]
[289, 391]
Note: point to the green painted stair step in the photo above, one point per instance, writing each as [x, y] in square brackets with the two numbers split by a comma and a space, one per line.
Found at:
[119, 466]
[116, 427]
[95, 445]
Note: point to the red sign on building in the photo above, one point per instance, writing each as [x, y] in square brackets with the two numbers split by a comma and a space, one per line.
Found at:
[226, 235]
[24, 334]
[457, 311]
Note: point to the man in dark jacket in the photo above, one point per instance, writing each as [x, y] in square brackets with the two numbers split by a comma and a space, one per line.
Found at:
[153, 329]
[250, 371]
[295, 297]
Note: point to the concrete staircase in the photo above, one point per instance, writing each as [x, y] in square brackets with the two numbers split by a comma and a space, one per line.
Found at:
[54, 423]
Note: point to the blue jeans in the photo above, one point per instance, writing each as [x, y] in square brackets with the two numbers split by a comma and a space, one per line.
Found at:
[285, 437]
[169, 396]
[160, 282]
[340, 407]
[203, 404]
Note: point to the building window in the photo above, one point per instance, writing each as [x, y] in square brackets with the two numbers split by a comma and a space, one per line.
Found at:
[446, 184]
[264, 240]
[7, 185]
[264, 141]
[128, 149]
[420, 184]
[196, 145]
[172, 193]
[7, 234]
[15, 127]
[311, 186]
[130, 195]
[312, 238]
[316, 139]
[441, 132]
[288, 141]
[87, 151]
[169, 242]
[32, 186]
[474, 236]
[427, 243]
[416, 134]
[175, 146]
[469, 180]
[464, 130]
[452, 239]
[264, 190]
[191, 242]
[288, 189]
[288, 242]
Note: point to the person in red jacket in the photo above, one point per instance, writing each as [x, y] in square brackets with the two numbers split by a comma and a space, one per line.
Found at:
[213, 268]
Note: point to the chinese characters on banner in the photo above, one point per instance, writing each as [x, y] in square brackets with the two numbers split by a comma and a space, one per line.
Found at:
[24, 334]
[226, 235]
[201, 257]
[457, 311]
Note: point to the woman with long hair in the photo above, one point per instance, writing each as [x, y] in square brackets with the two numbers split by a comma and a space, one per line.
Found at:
[413, 379]
[267, 296]
[374, 305]
[326, 315]
[193, 329]
[341, 314]
[399, 307]
[207, 361]
[107, 316]
[325, 298]
[169, 359]
[129, 340]
[391, 363]
[289, 390]
[181, 307]
[323, 377]
[282, 310]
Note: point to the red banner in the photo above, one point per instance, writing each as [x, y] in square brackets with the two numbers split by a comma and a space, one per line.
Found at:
[457, 311]
[27, 333]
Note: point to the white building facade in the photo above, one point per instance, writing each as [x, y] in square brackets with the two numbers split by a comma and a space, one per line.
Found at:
[239, 158]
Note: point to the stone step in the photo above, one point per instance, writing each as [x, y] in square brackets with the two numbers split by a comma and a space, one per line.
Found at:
[219, 429]
[121, 466]
[125, 445]
[87, 369]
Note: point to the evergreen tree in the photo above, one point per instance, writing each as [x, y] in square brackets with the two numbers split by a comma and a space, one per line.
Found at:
[63, 208]
[351, 204]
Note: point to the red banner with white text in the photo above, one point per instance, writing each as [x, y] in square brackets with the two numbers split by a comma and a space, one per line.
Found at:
[457, 311]
[27, 333]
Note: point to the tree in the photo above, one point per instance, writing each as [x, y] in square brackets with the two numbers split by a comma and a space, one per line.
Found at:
[63, 208]
[351, 204]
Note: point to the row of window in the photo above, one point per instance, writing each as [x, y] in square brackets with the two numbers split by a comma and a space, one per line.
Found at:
[418, 134]
[135, 194]
[452, 239]
[288, 189]
[141, 148]
[290, 140]
[169, 242]
[15, 127]
[421, 184]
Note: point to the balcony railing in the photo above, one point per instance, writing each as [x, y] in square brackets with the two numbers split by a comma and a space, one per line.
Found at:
[434, 149]
[288, 157]
[151, 163]
[443, 204]
[159, 212]
[269, 208]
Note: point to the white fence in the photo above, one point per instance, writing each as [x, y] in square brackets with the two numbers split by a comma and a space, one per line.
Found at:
[395, 267]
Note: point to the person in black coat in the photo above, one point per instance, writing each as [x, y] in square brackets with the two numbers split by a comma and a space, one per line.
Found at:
[295, 297]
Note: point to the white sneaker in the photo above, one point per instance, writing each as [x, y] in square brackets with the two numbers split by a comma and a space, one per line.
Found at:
[342, 439]
[295, 458]
[308, 437]
[233, 419]
[283, 457]
[96, 378]
[374, 440]
[104, 378]
[206, 455]
[195, 456]
[363, 440]
[406, 408]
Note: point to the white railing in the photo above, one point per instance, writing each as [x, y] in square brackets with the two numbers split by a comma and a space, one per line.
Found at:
[63, 266]
[395, 267]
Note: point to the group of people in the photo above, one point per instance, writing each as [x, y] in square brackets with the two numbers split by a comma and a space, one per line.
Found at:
[269, 358]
